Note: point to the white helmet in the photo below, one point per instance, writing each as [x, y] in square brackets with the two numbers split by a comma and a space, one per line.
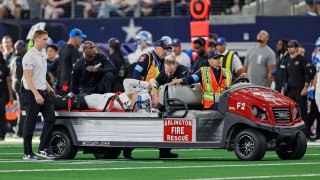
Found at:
[318, 42]
[144, 37]
[167, 39]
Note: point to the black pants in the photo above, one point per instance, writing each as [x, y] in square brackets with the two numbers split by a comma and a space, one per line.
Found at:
[32, 111]
[295, 94]
[314, 115]
[105, 85]
[3, 121]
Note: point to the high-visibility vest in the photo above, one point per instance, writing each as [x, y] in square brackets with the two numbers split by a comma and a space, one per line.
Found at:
[226, 61]
[211, 87]
[153, 70]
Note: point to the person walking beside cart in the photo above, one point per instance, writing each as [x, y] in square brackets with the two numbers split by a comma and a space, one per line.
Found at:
[214, 80]
[36, 93]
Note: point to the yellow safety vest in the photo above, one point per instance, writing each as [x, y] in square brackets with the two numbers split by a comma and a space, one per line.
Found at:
[153, 71]
[226, 61]
[210, 86]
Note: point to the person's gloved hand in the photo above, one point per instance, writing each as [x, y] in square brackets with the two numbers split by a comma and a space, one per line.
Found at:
[311, 94]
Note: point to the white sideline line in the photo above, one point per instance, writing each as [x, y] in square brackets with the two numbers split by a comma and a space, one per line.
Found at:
[159, 167]
[261, 177]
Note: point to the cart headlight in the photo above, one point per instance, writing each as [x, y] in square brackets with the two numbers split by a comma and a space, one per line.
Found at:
[296, 113]
[258, 113]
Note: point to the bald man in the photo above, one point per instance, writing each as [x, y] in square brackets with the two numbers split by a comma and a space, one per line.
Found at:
[93, 73]
[260, 61]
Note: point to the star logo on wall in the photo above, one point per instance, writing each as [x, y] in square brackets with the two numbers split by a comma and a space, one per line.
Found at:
[131, 30]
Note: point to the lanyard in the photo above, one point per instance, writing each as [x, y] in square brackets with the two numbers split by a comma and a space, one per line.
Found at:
[156, 59]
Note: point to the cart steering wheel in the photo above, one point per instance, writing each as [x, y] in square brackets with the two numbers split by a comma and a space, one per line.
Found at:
[241, 80]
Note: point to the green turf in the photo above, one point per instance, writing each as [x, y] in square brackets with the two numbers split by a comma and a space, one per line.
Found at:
[191, 164]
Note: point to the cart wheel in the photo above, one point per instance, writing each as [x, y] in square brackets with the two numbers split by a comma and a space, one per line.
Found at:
[108, 153]
[296, 150]
[61, 145]
[250, 145]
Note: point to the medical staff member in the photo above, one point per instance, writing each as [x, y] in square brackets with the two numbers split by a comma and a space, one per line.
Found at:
[150, 64]
[214, 80]
[37, 98]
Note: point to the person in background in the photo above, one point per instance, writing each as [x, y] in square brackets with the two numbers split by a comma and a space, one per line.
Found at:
[14, 8]
[143, 41]
[68, 55]
[53, 66]
[202, 55]
[260, 61]
[6, 95]
[281, 64]
[178, 55]
[8, 48]
[230, 59]
[122, 68]
[16, 75]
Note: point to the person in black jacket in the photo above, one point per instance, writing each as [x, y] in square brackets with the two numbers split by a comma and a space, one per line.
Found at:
[297, 80]
[281, 64]
[93, 73]
[202, 58]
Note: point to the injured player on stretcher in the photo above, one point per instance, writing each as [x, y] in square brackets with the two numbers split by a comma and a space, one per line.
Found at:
[138, 95]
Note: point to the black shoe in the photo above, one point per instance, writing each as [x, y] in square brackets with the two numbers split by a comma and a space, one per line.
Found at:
[31, 157]
[168, 155]
[127, 153]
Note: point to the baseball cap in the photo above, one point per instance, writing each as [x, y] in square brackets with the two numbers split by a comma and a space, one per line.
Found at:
[214, 55]
[293, 44]
[77, 32]
[221, 41]
[19, 43]
[176, 42]
[163, 44]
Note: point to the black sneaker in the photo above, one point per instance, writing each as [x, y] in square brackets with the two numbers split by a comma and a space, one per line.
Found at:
[45, 154]
[30, 157]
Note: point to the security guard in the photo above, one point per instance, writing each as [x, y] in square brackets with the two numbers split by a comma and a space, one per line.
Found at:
[230, 59]
[214, 80]
[150, 64]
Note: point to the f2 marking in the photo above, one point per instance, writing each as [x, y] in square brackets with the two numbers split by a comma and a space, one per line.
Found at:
[241, 106]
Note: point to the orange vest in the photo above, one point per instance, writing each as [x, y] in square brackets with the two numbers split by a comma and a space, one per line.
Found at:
[153, 70]
[211, 87]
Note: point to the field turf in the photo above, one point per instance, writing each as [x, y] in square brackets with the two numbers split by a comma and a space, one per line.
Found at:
[191, 164]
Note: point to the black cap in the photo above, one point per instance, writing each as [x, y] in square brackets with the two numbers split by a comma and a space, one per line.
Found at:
[163, 44]
[293, 44]
[214, 55]
[19, 43]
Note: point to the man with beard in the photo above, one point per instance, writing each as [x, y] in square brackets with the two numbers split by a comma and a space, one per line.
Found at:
[281, 64]
[68, 55]
[260, 61]
[93, 73]
[297, 80]
[202, 58]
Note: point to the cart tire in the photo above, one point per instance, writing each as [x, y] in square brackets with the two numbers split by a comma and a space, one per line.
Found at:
[294, 151]
[108, 153]
[61, 145]
[250, 145]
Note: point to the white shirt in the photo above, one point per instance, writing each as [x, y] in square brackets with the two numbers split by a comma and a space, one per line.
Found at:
[133, 57]
[183, 59]
[37, 61]
[236, 62]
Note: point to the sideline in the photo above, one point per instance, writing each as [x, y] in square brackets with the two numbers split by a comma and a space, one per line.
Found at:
[262, 177]
[159, 167]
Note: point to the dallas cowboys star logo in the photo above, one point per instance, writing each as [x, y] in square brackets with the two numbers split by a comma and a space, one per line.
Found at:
[131, 30]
